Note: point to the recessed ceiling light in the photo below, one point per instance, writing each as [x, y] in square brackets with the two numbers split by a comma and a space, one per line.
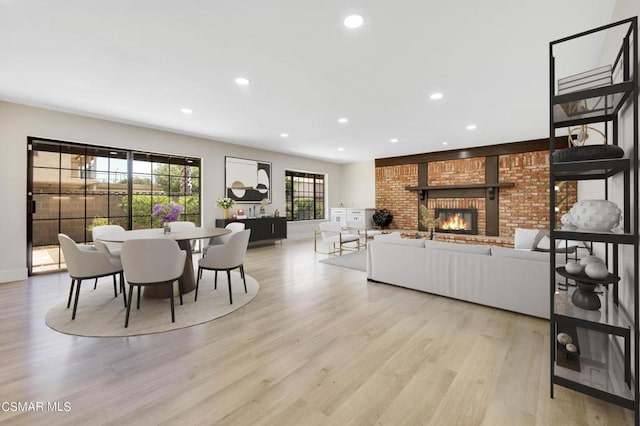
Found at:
[343, 120]
[284, 135]
[186, 111]
[445, 143]
[436, 96]
[353, 21]
[471, 127]
[341, 149]
[113, 153]
[241, 81]
[394, 140]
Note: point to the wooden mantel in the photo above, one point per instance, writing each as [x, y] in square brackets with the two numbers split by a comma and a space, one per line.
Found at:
[474, 190]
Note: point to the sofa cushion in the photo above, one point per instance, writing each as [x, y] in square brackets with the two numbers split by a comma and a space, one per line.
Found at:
[402, 242]
[519, 254]
[462, 248]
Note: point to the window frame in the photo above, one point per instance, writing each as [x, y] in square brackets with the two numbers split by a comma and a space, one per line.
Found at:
[316, 195]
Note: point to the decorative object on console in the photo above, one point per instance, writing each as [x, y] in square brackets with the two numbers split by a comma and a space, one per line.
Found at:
[382, 218]
[263, 203]
[593, 215]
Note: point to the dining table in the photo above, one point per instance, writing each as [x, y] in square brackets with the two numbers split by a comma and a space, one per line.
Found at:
[183, 238]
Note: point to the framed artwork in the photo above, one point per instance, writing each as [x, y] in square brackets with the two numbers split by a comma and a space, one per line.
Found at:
[247, 181]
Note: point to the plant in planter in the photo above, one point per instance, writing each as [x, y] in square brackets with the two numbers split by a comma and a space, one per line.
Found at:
[382, 218]
[428, 220]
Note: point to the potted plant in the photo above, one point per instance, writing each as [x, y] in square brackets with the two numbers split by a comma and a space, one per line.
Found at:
[225, 203]
[428, 220]
[382, 218]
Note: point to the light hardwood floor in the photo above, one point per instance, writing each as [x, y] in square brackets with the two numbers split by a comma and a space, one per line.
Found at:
[319, 345]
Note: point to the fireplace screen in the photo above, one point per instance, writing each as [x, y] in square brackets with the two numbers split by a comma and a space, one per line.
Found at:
[458, 221]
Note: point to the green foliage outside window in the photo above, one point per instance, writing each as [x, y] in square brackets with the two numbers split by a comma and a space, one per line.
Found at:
[142, 206]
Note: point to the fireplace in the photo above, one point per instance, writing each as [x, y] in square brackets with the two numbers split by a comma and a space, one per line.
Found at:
[457, 221]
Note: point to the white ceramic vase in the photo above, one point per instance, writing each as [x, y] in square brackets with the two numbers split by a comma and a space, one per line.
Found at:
[595, 215]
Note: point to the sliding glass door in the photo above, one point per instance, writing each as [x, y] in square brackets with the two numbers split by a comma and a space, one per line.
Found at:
[73, 187]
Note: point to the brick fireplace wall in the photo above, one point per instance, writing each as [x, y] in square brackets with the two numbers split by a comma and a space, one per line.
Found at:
[391, 195]
[458, 172]
[526, 205]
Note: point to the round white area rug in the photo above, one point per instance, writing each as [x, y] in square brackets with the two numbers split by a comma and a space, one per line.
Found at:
[100, 314]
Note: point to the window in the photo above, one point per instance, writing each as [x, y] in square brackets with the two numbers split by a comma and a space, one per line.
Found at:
[74, 187]
[304, 195]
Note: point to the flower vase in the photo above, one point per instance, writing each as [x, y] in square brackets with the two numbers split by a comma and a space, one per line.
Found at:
[166, 228]
[225, 213]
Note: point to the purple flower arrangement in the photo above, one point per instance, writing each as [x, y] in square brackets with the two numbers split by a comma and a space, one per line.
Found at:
[168, 212]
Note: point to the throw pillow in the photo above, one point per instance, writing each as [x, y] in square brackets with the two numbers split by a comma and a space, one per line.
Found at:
[525, 239]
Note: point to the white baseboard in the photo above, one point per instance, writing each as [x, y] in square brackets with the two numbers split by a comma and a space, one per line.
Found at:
[10, 275]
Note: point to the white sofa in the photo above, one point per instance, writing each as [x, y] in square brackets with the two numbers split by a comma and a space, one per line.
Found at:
[500, 277]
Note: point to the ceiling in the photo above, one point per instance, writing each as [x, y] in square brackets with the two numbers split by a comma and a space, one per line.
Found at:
[141, 61]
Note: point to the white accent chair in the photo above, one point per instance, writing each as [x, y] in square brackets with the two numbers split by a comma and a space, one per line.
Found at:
[153, 261]
[85, 264]
[331, 233]
[226, 257]
[357, 227]
[222, 239]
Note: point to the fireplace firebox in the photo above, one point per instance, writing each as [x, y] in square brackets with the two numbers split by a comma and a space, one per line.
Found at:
[457, 221]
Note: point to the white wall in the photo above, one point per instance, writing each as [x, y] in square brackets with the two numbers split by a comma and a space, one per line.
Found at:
[19, 121]
[358, 185]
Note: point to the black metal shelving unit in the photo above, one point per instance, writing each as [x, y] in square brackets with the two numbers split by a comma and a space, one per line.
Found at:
[609, 356]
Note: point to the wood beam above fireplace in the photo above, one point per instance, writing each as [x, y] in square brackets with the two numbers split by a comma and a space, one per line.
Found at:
[474, 190]
[470, 186]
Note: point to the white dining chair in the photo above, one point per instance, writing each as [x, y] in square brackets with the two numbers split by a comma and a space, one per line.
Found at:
[113, 249]
[152, 261]
[181, 225]
[222, 239]
[226, 257]
[331, 232]
[83, 264]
